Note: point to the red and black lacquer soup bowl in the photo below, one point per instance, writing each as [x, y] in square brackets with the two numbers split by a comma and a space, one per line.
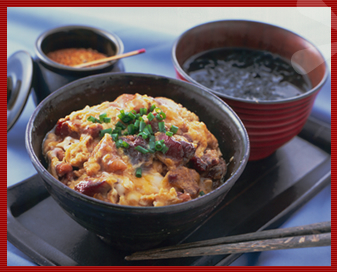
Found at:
[128, 227]
[269, 123]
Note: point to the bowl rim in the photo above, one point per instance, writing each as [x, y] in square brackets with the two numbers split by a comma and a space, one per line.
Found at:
[108, 35]
[183, 74]
[147, 209]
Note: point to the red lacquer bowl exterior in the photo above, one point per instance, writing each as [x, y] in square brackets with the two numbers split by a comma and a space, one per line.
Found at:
[270, 124]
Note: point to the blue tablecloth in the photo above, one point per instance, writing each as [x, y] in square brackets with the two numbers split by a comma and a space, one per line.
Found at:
[155, 29]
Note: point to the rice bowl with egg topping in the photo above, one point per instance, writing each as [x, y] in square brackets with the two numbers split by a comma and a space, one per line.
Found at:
[136, 151]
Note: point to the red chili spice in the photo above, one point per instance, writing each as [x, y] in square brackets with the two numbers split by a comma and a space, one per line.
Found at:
[75, 56]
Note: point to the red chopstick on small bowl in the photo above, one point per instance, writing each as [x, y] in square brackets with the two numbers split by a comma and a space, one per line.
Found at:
[115, 57]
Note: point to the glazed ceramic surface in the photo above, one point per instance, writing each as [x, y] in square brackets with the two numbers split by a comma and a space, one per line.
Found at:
[50, 76]
[127, 227]
[270, 124]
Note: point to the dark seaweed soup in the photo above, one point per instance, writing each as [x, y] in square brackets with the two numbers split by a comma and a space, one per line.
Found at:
[248, 74]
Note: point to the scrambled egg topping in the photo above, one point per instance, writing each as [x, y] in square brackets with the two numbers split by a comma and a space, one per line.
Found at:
[137, 150]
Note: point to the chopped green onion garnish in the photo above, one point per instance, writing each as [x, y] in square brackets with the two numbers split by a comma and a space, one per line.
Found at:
[161, 126]
[201, 193]
[106, 119]
[119, 143]
[150, 116]
[120, 125]
[132, 116]
[121, 115]
[117, 130]
[159, 145]
[142, 125]
[157, 110]
[126, 119]
[169, 133]
[131, 129]
[141, 149]
[152, 138]
[114, 136]
[144, 135]
[152, 107]
[174, 129]
[103, 115]
[136, 124]
[152, 145]
[164, 149]
[102, 132]
[160, 115]
[125, 144]
[139, 172]
[149, 129]
[143, 111]
[93, 119]
[146, 131]
[103, 118]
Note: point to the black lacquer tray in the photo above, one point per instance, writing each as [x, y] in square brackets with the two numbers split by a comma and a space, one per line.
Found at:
[267, 193]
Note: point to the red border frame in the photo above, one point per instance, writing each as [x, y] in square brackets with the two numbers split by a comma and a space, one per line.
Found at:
[152, 3]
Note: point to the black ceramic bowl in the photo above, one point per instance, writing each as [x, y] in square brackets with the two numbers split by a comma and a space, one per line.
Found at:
[50, 75]
[127, 227]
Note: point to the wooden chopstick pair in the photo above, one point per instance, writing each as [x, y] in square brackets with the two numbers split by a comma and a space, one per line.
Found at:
[313, 235]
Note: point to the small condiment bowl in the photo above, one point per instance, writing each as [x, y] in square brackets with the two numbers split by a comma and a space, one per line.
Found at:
[128, 227]
[50, 75]
[270, 124]
[43, 76]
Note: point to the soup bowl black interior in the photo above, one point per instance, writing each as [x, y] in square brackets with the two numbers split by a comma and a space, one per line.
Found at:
[270, 123]
[127, 227]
